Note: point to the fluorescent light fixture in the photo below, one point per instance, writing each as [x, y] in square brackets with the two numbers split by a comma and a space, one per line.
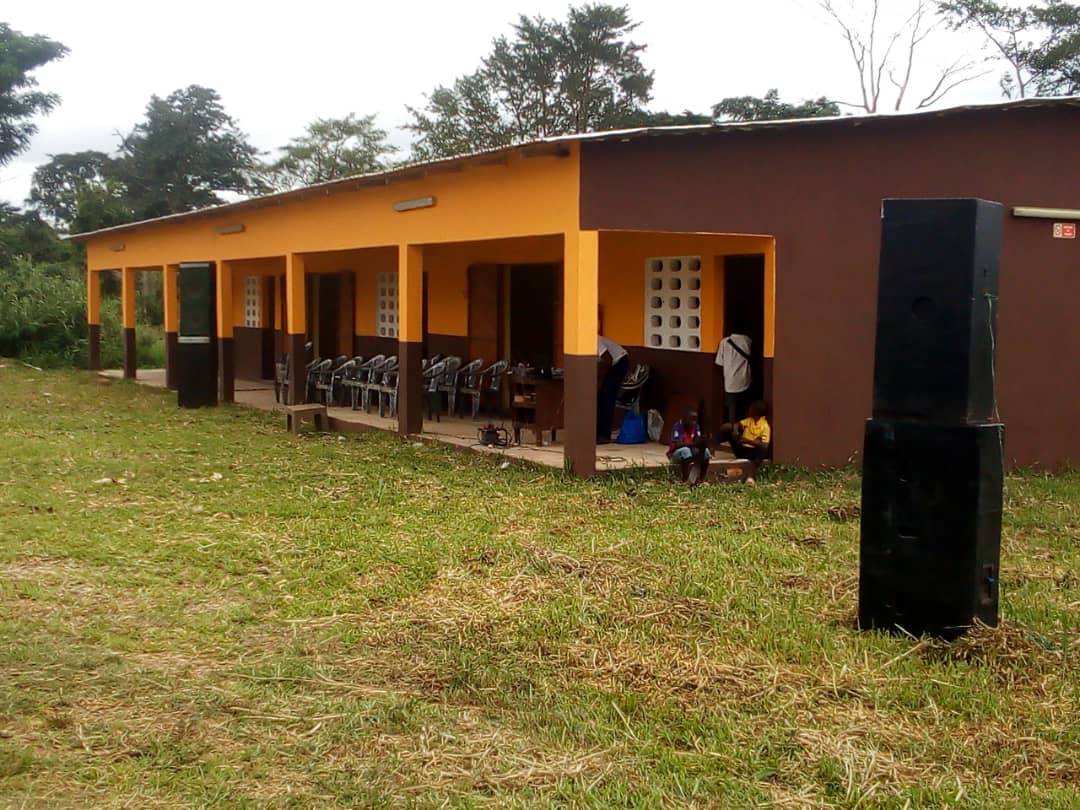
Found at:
[117, 248]
[1047, 213]
[412, 205]
[225, 230]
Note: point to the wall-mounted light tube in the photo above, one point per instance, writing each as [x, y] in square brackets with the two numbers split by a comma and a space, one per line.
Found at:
[225, 230]
[1047, 213]
[116, 248]
[412, 205]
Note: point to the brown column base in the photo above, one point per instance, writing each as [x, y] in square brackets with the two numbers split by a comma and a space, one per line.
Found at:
[129, 353]
[294, 345]
[410, 388]
[579, 414]
[226, 369]
[93, 346]
[171, 346]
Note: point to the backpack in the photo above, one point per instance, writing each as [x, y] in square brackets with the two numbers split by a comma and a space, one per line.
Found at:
[632, 430]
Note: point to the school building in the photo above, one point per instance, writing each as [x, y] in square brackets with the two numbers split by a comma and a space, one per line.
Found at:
[663, 239]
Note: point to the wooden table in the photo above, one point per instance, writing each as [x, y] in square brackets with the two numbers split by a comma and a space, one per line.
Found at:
[536, 404]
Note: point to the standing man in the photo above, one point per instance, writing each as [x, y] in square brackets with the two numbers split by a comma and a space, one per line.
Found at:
[609, 388]
[733, 357]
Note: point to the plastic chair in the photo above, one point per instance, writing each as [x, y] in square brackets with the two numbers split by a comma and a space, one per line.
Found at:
[475, 387]
[388, 391]
[314, 372]
[629, 396]
[449, 380]
[281, 377]
[361, 375]
[324, 383]
[430, 380]
[375, 379]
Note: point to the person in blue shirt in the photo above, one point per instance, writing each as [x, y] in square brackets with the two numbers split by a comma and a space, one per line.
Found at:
[688, 449]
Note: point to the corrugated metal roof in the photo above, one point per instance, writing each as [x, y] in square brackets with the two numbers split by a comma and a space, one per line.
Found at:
[551, 145]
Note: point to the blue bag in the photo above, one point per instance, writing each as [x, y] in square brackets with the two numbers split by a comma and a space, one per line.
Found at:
[633, 429]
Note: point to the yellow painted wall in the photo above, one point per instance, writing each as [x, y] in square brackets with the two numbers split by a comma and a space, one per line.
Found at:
[622, 280]
[447, 268]
[525, 196]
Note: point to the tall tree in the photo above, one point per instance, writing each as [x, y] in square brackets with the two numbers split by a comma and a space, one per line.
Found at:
[771, 108]
[884, 52]
[79, 191]
[20, 100]
[186, 151]
[1040, 43]
[553, 77]
[331, 148]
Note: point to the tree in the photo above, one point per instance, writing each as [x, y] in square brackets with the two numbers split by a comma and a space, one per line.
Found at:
[891, 57]
[20, 101]
[25, 235]
[330, 149]
[1049, 65]
[79, 191]
[664, 118]
[185, 151]
[552, 78]
[771, 108]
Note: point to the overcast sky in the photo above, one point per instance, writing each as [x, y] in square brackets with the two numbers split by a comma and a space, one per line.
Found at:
[279, 65]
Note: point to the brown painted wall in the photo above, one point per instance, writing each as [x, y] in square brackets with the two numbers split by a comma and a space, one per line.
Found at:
[248, 348]
[818, 190]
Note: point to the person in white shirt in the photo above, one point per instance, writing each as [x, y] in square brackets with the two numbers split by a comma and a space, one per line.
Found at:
[734, 357]
[609, 388]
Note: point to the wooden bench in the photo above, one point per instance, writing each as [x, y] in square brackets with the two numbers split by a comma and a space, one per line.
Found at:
[296, 415]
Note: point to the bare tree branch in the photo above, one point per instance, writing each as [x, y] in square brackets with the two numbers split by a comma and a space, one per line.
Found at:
[875, 58]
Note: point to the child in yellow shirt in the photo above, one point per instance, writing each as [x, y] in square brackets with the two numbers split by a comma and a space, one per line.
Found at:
[749, 438]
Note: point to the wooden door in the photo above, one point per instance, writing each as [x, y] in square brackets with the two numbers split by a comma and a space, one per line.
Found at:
[486, 312]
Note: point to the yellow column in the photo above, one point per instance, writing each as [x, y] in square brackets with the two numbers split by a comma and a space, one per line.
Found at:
[581, 269]
[93, 297]
[127, 309]
[224, 300]
[93, 320]
[295, 326]
[296, 315]
[769, 349]
[225, 329]
[410, 293]
[410, 338]
[170, 294]
[171, 297]
[127, 296]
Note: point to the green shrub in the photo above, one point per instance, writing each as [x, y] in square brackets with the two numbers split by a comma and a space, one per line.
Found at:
[43, 313]
[43, 319]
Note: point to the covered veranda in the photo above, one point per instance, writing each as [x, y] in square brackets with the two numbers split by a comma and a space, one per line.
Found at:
[479, 257]
[485, 300]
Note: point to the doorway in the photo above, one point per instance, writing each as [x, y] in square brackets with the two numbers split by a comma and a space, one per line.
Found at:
[744, 311]
[330, 304]
[533, 303]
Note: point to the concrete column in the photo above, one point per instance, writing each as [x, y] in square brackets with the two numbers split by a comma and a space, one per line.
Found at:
[171, 300]
[127, 306]
[93, 320]
[581, 269]
[225, 330]
[410, 338]
[295, 325]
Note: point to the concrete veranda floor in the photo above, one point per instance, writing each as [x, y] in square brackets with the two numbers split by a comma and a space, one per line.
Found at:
[455, 431]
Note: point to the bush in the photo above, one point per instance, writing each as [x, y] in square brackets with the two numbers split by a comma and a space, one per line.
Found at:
[43, 313]
[43, 320]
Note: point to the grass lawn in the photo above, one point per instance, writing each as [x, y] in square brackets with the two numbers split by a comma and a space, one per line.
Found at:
[198, 610]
